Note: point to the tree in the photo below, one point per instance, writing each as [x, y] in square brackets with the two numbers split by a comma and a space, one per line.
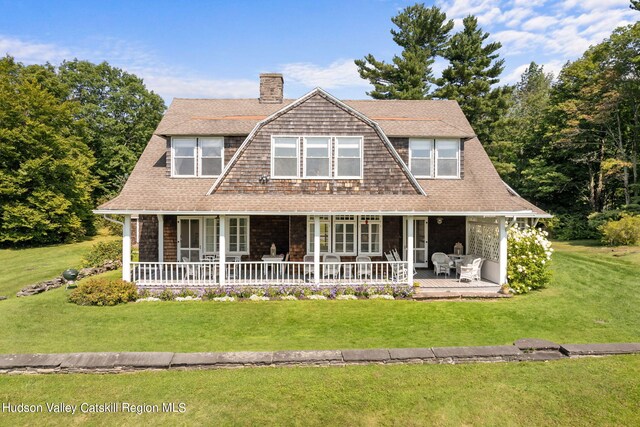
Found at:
[635, 5]
[474, 68]
[120, 116]
[45, 179]
[422, 34]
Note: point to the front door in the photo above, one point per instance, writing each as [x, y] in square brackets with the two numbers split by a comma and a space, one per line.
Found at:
[420, 242]
[189, 239]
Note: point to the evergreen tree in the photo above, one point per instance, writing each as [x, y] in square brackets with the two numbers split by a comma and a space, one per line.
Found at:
[473, 69]
[422, 33]
[635, 5]
[45, 178]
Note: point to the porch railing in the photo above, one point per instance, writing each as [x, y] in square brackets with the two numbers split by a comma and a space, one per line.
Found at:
[264, 273]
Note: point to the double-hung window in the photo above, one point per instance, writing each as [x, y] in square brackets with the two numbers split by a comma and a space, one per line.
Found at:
[438, 158]
[284, 157]
[344, 235]
[317, 157]
[348, 157]
[325, 235]
[447, 158]
[197, 156]
[238, 234]
[184, 156]
[420, 156]
[371, 235]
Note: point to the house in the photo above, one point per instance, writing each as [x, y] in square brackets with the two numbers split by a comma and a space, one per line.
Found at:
[222, 180]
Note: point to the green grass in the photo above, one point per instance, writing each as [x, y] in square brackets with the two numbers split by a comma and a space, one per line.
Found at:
[594, 297]
[22, 267]
[578, 392]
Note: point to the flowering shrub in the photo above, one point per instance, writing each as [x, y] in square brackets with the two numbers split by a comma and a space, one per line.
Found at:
[297, 292]
[255, 297]
[166, 295]
[378, 296]
[289, 298]
[316, 297]
[103, 292]
[346, 297]
[223, 299]
[529, 252]
[625, 231]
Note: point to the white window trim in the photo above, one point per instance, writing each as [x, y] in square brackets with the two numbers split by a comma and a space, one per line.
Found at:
[436, 158]
[197, 166]
[200, 156]
[336, 158]
[361, 221]
[216, 238]
[273, 152]
[304, 157]
[353, 221]
[310, 241]
[431, 142]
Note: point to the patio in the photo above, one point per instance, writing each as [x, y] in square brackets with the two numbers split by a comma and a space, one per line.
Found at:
[429, 283]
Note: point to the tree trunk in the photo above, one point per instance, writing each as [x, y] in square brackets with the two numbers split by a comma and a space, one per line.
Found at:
[623, 155]
[600, 186]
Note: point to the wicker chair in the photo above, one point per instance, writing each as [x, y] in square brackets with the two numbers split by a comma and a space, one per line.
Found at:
[441, 263]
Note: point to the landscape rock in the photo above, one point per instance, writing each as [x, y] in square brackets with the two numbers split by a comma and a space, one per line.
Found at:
[494, 351]
[369, 355]
[307, 356]
[411, 353]
[536, 344]
[599, 349]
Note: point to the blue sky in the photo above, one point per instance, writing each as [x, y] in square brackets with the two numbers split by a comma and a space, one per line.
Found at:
[217, 49]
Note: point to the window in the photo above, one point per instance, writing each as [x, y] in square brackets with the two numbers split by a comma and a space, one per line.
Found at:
[344, 235]
[211, 234]
[284, 157]
[371, 235]
[211, 159]
[184, 156]
[420, 157]
[447, 152]
[348, 157]
[197, 156]
[325, 235]
[439, 158]
[238, 234]
[317, 157]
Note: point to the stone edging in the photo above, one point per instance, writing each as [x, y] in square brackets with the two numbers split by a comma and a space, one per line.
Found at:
[522, 350]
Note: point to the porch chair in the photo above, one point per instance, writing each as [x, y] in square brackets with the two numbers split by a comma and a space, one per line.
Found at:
[331, 270]
[308, 267]
[399, 272]
[441, 263]
[189, 271]
[233, 268]
[470, 272]
[466, 260]
[396, 255]
[363, 266]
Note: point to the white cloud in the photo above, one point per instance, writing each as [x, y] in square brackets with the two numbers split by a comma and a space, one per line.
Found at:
[549, 67]
[541, 22]
[341, 73]
[31, 53]
[515, 42]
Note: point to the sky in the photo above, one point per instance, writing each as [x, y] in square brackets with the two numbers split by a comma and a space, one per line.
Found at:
[205, 49]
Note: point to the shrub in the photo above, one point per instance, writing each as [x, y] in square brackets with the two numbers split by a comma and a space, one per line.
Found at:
[529, 252]
[187, 293]
[571, 227]
[625, 231]
[103, 252]
[167, 295]
[99, 291]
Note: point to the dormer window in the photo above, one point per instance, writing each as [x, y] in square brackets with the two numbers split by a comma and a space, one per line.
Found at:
[197, 157]
[439, 158]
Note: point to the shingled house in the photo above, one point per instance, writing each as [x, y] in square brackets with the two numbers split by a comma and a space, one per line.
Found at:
[324, 181]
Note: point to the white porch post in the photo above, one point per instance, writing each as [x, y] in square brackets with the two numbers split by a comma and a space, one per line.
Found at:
[126, 249]
[160, 238]
[223, 248]
[316, 248]
[410, 250]
[502, 258]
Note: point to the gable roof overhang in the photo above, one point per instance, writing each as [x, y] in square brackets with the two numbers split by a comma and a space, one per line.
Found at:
[319, 91]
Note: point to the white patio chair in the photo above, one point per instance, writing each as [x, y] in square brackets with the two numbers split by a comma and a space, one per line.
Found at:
[189, 269]
[331, 270]
[470, 272]
[233, 266]
[399, 272]
[308, 267]
[364, 267]
[396, 255]
[441, 263]
[466, 260]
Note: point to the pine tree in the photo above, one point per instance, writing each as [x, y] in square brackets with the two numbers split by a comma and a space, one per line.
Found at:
[635, 5]
[473, 69]
[422, 33]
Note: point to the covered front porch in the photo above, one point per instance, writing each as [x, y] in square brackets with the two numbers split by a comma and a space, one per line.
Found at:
[229, 250]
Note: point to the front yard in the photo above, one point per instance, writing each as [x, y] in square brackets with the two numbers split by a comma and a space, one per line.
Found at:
[593, 298]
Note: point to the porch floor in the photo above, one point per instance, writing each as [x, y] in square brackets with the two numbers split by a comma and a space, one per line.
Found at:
[430, 283]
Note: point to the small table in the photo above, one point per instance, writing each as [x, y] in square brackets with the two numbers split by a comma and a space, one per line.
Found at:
[277, 259]
[457, 260]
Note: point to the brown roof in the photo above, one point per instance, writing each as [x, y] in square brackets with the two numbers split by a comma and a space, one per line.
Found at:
[239, 116]
[149, 189]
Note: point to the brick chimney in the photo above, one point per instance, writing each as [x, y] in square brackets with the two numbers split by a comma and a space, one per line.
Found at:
[271, 88]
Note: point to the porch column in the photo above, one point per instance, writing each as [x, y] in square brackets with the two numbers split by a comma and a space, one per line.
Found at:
[410, 250]
[160, 238]
[223, 248]
[126, 249]
[502, 250]
[316, 248]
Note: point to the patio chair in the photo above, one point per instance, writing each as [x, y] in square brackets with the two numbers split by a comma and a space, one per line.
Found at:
[363, 266]
[308, 267]
[189, 271]
[396, 255]
[466, 260]
[441, 263]
[399, 272]
[471, 272]
[233, 267]
[331, 270]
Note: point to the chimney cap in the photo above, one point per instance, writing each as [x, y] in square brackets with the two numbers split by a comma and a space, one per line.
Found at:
[271, 75]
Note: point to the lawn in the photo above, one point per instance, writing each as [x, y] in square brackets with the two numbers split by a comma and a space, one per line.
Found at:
[598, 391]
[594, 297]
[22, 267]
